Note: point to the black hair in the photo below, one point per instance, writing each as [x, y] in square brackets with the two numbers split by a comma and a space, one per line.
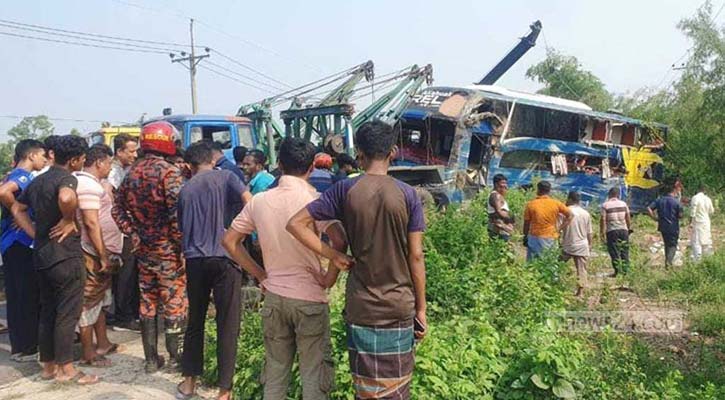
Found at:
[198, 153]
[120, 140]
[97, 152]
[239, 153]
[543, 187]
[345, 159]
[50, 142]
[701, 187]
[375, 139]
[296, 156]
[68, 147]
[498, 178]
[215, 146]
[25, 147]
[613, 192]
[259, 156]
[574, 197]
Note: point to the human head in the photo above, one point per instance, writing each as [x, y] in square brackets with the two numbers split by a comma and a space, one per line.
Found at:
[701, 188]
[254, 163]
[614, 193]
[375, 141]
[296, 156]
[49, 143]
[323, 161]
[32, 151]
[126, 148]
[573, 198]
[239, 152]
[346, 163]
[70, 152]
[543, 188]
[217, 150]
[500, 183]
[159, 137]
[199, 156]
[99, 161]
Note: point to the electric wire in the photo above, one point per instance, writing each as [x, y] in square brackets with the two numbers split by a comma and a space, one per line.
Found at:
[137, 50]
[242, 75]
[203, 66]
[232, 60]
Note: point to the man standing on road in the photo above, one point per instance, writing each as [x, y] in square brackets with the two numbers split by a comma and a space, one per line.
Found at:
[576, 240]
[667, 211]
[614, 226]
[58, 257]
[125, 282]
[702, 209]
[100, 238]
[203, 203]
[21, 278]
[146, 206]
[541, 217]
[295, 315]
[500, 220]
[385, 306]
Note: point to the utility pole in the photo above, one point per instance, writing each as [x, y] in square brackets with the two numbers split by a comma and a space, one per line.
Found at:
[193, 60]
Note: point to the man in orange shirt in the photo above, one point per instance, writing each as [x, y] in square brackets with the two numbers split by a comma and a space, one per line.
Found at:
[540, 221]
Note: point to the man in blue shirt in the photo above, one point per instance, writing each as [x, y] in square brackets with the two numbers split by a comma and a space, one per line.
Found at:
[21, 281]
[321, 177]
[257, 176]
[667, 211]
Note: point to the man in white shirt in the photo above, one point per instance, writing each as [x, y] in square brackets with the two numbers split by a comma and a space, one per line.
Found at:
[576, 239]
[701, 238]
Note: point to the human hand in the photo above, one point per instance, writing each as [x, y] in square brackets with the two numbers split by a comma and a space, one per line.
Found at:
[63, 229]
[105, 263]
[341, 261]
[135, 242]
[421, 321]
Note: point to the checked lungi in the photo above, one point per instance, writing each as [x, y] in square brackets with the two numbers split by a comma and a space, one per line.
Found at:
[381, 359]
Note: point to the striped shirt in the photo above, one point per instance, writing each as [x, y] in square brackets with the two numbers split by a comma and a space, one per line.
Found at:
[616, 212]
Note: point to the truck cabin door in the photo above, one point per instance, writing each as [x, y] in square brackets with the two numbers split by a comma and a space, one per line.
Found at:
[221, 132]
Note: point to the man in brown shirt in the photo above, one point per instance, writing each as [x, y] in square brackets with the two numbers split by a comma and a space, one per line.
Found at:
[385, 294]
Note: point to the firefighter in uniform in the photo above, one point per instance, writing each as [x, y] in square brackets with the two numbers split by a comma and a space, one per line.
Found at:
[145, 208]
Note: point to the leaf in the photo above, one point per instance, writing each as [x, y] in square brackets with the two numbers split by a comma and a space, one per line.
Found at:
[539, 382]
[563, 389]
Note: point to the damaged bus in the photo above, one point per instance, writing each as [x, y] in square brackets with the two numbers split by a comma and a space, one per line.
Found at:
[454, 140]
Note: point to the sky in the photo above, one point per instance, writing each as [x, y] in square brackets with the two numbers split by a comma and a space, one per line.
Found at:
[628, 44]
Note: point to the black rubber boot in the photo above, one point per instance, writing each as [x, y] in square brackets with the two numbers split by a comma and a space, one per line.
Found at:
[149, 338]
[175, 343]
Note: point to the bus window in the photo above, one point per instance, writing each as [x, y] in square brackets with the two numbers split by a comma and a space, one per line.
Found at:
[524, 159]
[245, 136]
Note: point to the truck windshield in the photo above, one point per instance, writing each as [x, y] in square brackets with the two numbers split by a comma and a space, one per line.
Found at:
[245, 136]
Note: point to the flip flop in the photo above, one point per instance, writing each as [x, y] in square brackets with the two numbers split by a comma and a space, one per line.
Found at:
[47, 378]
[183, 396]
[115, 348]
[98, 361]
[76, 380]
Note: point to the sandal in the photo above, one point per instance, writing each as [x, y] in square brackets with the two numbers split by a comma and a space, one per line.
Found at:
[97, 362]
[183, 396]
[114, 349]
[47, 378]
[76, 379]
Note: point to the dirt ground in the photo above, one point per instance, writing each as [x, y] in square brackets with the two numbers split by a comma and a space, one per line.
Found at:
[125, 380]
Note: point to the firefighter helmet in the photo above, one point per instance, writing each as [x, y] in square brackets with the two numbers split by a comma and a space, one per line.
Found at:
[160, 136]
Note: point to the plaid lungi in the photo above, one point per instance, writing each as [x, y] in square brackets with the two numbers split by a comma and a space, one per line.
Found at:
[381, 360]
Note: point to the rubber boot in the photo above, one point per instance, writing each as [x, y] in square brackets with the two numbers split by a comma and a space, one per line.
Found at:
[149, 338]
[175, 343]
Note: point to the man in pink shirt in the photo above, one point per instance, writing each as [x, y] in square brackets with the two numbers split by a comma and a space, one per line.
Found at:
[295, 315]
[100, 238]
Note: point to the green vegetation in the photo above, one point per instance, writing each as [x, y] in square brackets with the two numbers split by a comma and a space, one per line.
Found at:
[491, 335]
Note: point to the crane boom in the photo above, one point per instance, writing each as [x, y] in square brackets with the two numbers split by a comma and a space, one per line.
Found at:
[526, 43]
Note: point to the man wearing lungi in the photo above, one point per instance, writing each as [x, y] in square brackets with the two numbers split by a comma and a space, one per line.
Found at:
[384, 221]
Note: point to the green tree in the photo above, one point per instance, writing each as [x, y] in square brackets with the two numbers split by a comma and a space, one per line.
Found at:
[37, 127]
[563, 76]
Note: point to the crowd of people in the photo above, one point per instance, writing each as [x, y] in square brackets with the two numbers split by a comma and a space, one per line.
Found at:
[548, 221]
[148, 235]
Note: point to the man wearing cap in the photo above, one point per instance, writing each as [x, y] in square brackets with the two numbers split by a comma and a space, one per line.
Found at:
[146, 207]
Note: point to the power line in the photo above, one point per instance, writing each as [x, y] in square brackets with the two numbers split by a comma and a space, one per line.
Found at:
[80, 37]
[249, 68]
[83, 44]
[64, 119]
[244, 76]
[233, 78]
